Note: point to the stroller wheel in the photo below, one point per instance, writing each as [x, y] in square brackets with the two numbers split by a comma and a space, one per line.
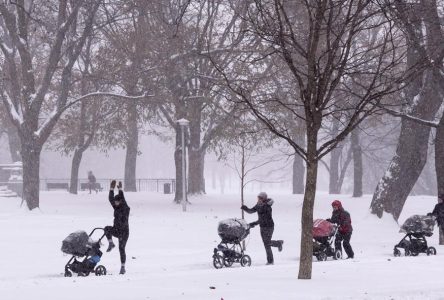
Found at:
[321, 256]
[431, 251]
[228, 262]
[245, 261]
[68, 273]
[338, 254]
[100, 270]
[396, 252]
[217, 261]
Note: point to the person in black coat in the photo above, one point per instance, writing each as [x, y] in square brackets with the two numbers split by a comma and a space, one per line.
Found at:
[342, 218]
[438, 212]
[266, 224]
[120, 228]
[92, 182]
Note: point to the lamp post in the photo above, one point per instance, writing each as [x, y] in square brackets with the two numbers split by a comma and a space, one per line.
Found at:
[183, 124]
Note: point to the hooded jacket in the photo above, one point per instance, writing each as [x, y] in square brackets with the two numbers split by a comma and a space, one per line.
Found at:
[438, 212]
[343, 219]
[264, 213]
[121, 212]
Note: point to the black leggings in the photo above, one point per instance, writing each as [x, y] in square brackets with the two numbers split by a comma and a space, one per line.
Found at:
[345, 240]
[266, 234]
[122, 235]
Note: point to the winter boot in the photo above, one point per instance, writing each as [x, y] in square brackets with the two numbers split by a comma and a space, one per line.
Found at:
[110, 246]
[122, 270]
[281, 243]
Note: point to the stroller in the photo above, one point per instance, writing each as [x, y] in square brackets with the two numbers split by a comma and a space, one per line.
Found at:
[229, 251]
[79, 244]
[324, 234]
[416, 229]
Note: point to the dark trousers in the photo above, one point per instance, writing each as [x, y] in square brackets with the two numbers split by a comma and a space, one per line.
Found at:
[345, 240]
[266, 234]
[122, 235]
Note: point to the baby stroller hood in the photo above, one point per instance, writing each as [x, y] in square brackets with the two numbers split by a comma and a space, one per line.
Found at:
[231, 230]
[77, 243]
[322, 228]
[418, 224]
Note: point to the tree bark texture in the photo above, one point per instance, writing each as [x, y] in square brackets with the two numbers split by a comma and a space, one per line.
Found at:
[196, 157]
[75, 166]
[31, 177]
[306, 256]
[298, 175]
[132, 143]
[333, 187]
[358, 170]
[14, 143]
[178, 165]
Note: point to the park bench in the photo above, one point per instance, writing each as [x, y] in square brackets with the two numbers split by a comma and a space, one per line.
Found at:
[85, 186]
[57, 186]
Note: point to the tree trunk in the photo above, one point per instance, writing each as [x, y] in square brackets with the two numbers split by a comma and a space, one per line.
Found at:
[31, 168]
[14, 143]
[132, 143]
[298, 175]
[305, 261]
[334, 187]
[75, 165]
[439, 165]
[178, 164]
[357, 164]
[196, 179]
[410, 157]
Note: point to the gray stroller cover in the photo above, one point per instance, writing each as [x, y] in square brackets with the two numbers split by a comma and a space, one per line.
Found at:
[77, 243]
[233, 230]
[418, 224]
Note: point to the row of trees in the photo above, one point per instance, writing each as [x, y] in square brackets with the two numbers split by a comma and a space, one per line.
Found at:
[314, 76]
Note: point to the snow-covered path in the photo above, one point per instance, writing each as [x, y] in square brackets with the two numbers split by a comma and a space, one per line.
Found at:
[169, 252]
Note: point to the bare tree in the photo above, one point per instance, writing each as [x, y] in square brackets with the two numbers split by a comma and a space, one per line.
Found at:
[323, 44]
[28, 28]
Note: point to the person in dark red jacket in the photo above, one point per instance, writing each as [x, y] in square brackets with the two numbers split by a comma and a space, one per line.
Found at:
[343, 220]
[266, 224]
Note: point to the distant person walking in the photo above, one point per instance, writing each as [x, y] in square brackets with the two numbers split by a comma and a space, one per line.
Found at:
[120, 229]
[343, 219]
[92, 182]
[266, 224]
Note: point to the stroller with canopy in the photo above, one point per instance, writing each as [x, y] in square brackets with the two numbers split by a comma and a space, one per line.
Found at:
[416, 229]
[229, 251]
[324, 234]
[79, 244]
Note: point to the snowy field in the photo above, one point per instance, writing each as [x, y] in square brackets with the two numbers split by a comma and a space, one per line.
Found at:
[169, 252]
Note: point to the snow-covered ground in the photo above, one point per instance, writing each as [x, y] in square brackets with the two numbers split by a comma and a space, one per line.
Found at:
[169, 252]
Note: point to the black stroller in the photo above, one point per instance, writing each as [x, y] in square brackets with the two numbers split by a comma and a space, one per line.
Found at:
[79, 244]
[416, 229]
[324, 234]
[229, 251]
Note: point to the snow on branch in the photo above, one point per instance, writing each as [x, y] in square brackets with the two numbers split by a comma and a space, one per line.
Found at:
[16, 115]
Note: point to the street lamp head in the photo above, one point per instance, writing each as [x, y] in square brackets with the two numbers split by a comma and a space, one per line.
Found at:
[183, 122]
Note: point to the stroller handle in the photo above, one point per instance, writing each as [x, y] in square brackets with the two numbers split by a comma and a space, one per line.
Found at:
[97, 228]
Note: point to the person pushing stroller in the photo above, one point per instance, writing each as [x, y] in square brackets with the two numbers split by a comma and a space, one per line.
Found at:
[438, 212]
[342, 218]
[266, 224]
[120, 228]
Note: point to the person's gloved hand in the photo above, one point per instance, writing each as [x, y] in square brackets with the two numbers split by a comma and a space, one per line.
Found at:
[244, 207]
[328, 220]
[429, 214]
[252, 225]
[119, 185]
[113, 184]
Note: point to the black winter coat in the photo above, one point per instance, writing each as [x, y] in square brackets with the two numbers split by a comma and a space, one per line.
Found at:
[438, 212]
[121, 212]
[264, 213]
